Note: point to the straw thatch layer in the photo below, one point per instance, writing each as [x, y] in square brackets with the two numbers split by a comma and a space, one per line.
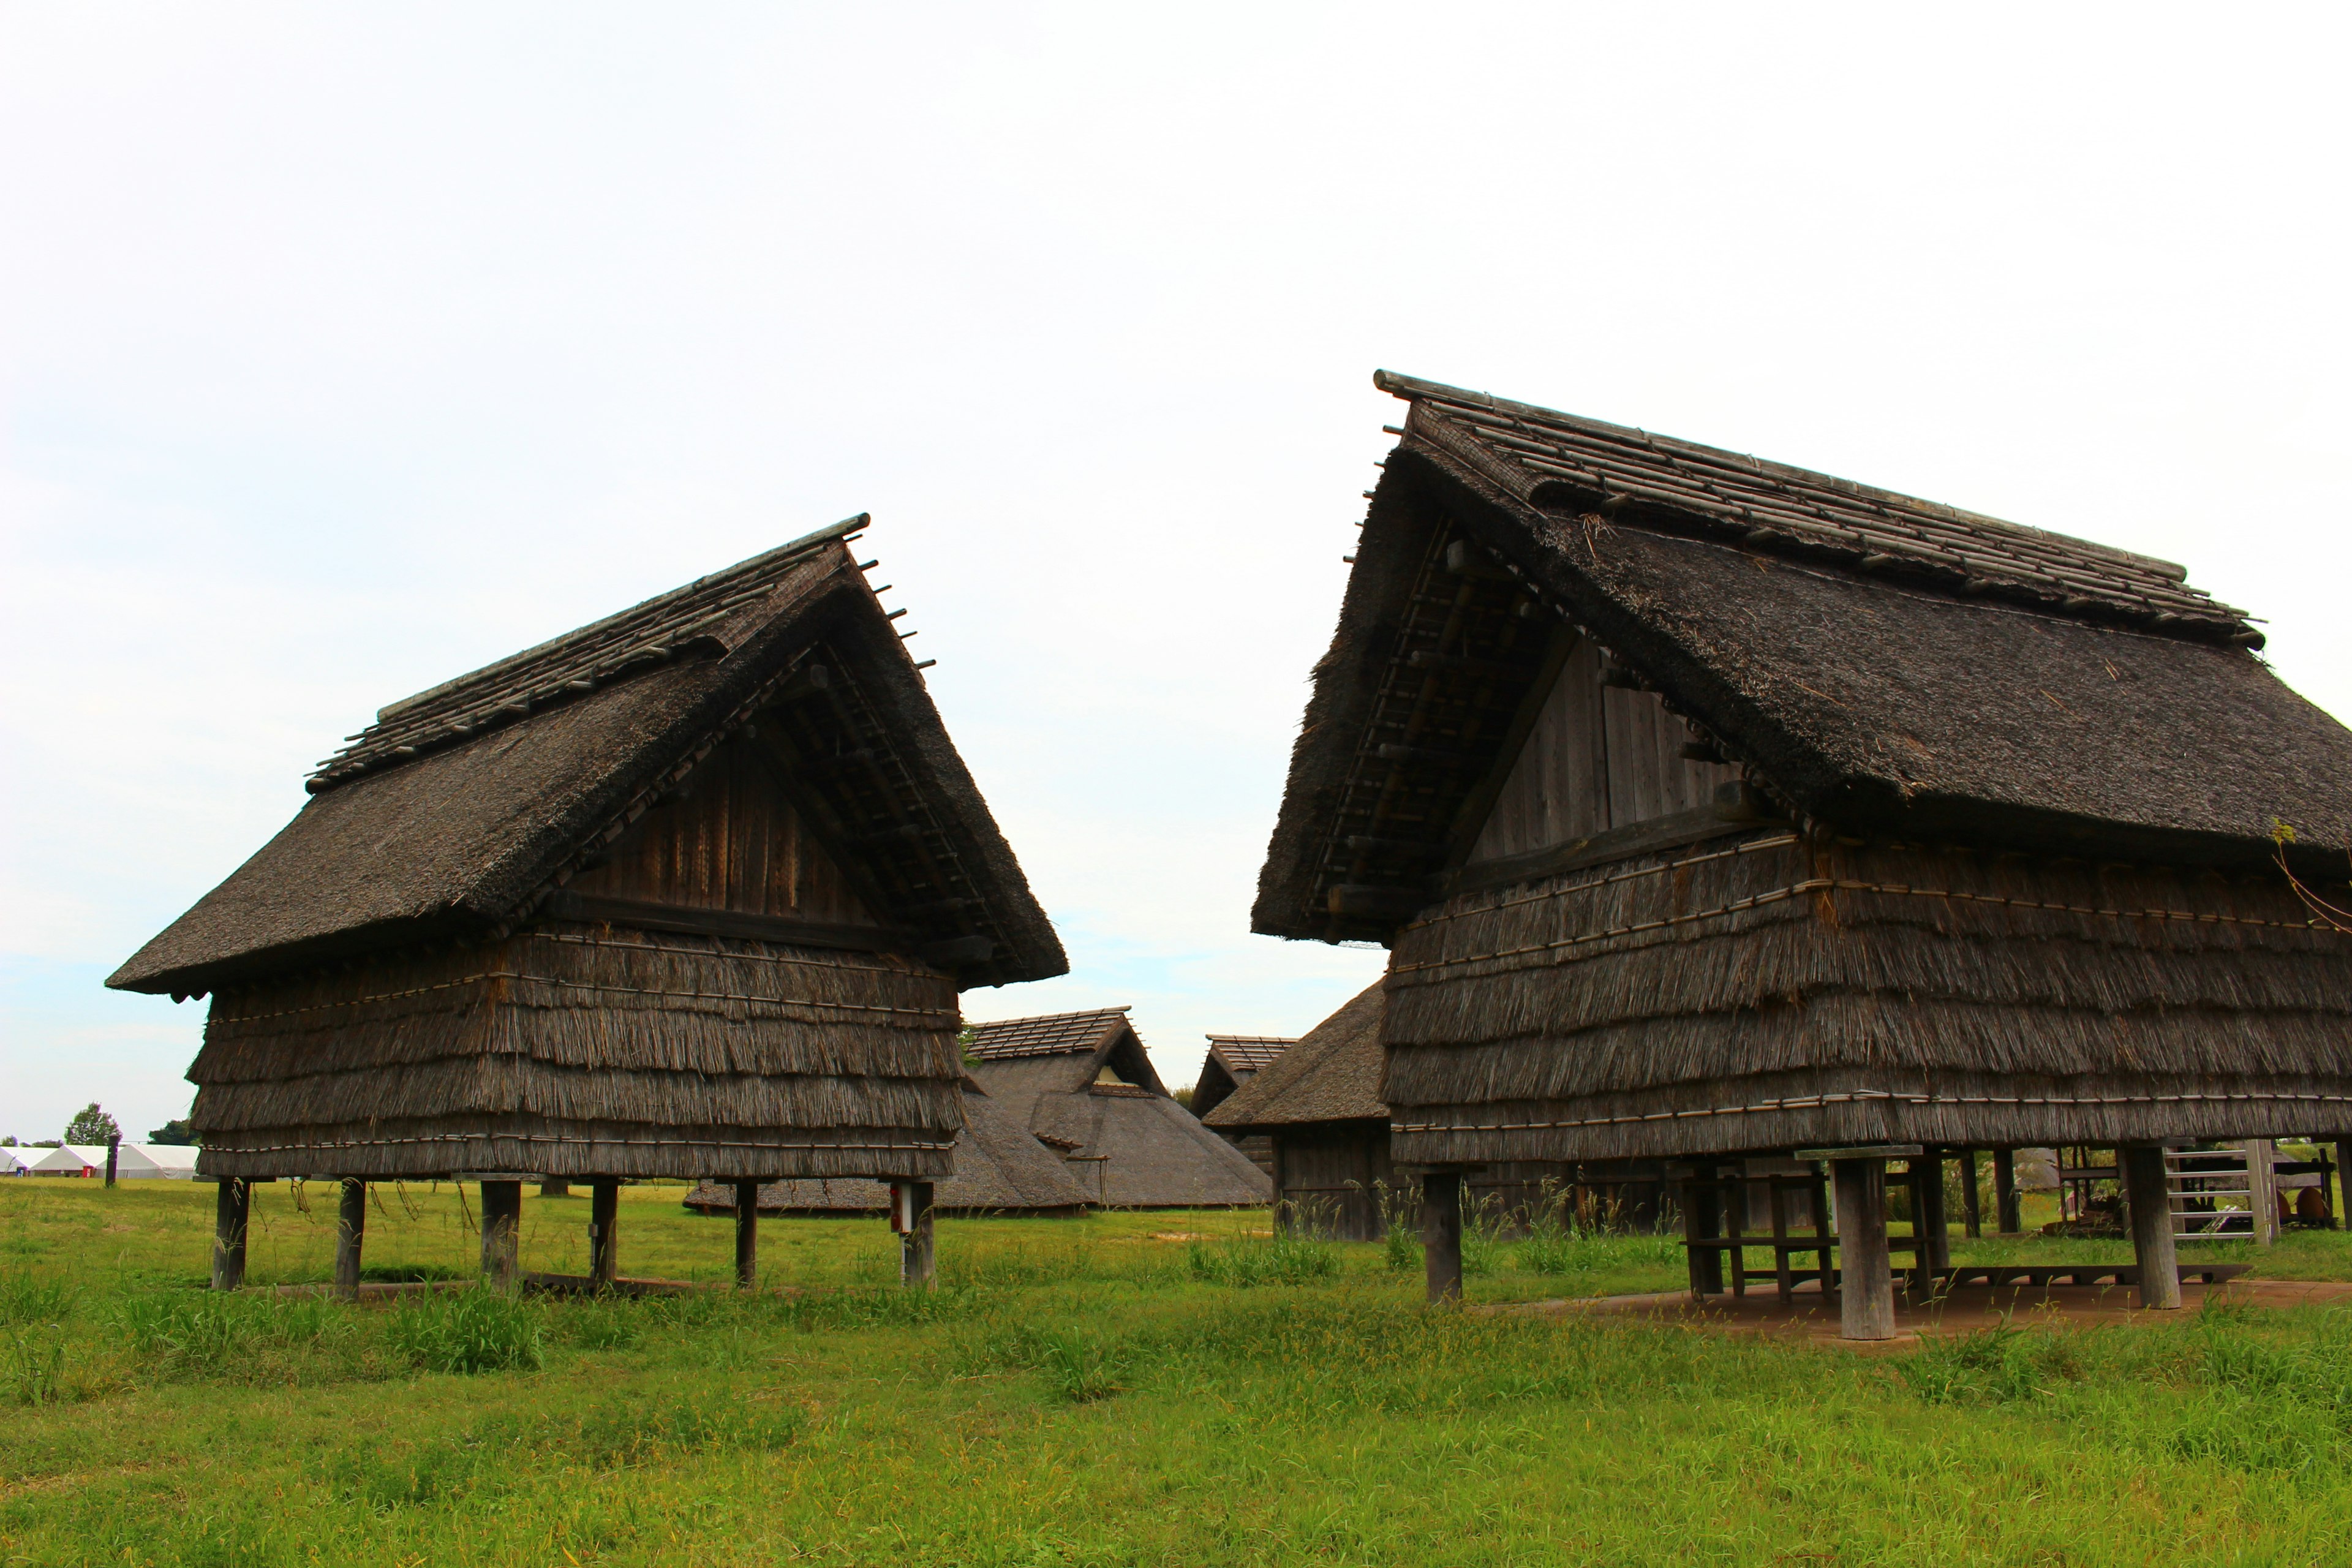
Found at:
[1756, 994]
[713, 1051]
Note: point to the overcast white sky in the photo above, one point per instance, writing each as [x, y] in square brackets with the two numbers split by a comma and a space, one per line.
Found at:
[343, 349]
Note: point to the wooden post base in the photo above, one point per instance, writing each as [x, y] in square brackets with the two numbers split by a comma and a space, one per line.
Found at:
[911, 1212]
[1866, 1285]
[747, 1235]
[2148, 1195]
[351, 1230]
[2004, 1192]
[232, 1209]
[501, 1233]
[1441, 1234]
[603, 1240]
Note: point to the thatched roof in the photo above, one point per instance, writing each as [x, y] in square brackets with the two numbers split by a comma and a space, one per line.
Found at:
[1242, 1055]
[1331, 1074]
[1001, 1167]
[1875, 665]
[464, 810]
[1088, 1082]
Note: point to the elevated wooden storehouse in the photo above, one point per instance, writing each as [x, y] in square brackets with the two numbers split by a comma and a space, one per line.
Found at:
[688, 892]
[1713, 808]
[1231, 1061]
[1086, 1084]
[1001, 1168]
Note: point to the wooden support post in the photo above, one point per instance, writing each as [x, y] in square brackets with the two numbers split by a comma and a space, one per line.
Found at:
[1931, 1230]
[911, 1212]
[232, 1209]
[351, 1229]
[1735, 1215]
[1441, 1234]
[114, 1158]
[604, 1241]
[554, 1189]
[2343, 1209]
[2148, 1195]
[1703, 1221]
[747, 1235]
[1865, 1285]
[1824, 1260]
[1971, 1195]
[2006, 1215]
[501, 1233]
[1781, 1275]
[2263, 1188]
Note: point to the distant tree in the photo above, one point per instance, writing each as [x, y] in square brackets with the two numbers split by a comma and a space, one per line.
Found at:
[1183, 1097]
[44, 1144]
[181, 1132]
[9, 1142]
[91, 1125]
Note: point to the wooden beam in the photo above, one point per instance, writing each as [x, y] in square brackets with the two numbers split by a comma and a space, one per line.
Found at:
[1865, 1285]
[232, 1210]
[729, 923]
[1971, 1195]
[604, 1239]
[2147, 1193]
[1441, 1234]
[351, 1230]
[1716, 820]
[501, 1231]
[747, 1235]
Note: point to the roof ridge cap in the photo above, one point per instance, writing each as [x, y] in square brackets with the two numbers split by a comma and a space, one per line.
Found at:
[776, 556]
[1412, 388]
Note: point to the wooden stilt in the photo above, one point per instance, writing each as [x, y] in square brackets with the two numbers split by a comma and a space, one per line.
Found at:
[1931, 1226]
[747, 1235]
[553, 1189]
[2343, 1210]
[1703, 1221]
[1441, 1234]
[113, 1157]
[1782, 1275]
[604, 1242]
[2262, 1183]
[910, 1210]
[2148, 1195]
[1971, 1195]
[232, 1208]
[1823, 1259]
[501, 1233]
[2004, 1192]
[351, 1229]
[1867, 1287]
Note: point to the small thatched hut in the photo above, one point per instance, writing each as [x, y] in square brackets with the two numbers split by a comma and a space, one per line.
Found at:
[688, 892]
[1712, 808]
[1319, 1110]
[1088, 1086]
[1231, 1061]
[1001, 1168]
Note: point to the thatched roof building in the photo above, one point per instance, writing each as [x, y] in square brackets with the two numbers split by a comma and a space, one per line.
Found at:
[1711, 805]
[1232, 1060]
[1001, 1167]
[1089, 1086]
[689, 892]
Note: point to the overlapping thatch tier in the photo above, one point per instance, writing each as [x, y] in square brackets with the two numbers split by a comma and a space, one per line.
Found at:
[574, 1050]
[688, 892]
[1764, 992]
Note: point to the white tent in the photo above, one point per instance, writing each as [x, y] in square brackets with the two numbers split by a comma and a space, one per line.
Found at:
[14, 1162]
[73, 1160]
[173, 1162]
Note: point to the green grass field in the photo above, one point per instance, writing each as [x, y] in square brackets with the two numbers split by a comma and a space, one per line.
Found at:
[1097, 1391]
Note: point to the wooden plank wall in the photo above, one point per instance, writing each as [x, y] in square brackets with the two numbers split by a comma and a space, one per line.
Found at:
[1597, 758]
[736, 843]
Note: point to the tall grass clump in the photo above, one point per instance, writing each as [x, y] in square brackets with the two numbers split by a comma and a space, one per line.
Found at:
[33, 1365]
[237, 1337]
[481, 1329]
[27, 1296]
[1400, 1238]
[1277, 1260]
